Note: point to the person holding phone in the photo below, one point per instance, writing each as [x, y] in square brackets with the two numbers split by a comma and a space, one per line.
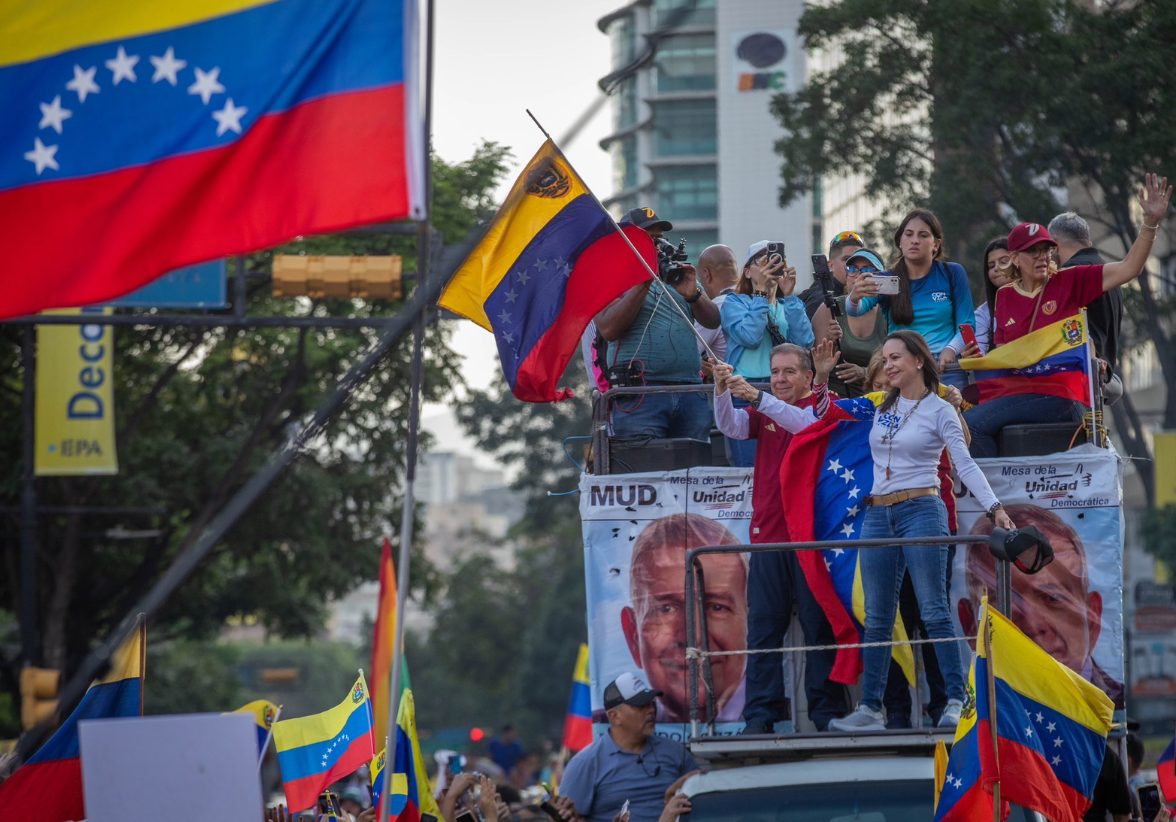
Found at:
[996, 276]
[859, 338]
[932, 297]
[763, 312]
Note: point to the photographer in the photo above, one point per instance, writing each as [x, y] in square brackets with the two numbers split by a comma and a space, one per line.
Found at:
[841, 248]
[857, 337]
[651, 342]
[761, 314]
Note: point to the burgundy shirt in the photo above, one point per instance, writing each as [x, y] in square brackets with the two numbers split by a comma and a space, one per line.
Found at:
[767, 513]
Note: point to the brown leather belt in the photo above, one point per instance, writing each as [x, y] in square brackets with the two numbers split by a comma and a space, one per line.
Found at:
[883, 500]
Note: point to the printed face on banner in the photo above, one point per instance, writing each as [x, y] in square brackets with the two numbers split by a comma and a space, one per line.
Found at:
[1072, 607]
[637, 529]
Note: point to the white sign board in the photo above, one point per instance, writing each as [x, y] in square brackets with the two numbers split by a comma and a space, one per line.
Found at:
[187, 768]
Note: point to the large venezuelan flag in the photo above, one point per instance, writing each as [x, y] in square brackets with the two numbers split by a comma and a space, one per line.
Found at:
[48, 788]
[550, 261]
[143, 136]
[410, 794]
[827, 473]
[1051, 724]
[383, 640]
[577, 733]
[1053, 360]
[314, 751]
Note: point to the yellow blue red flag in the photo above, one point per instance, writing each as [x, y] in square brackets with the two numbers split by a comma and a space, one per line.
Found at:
[1053, 360]
[578, 725]
[550, 261]
[409, 794]
[314, 751]
[264, 714]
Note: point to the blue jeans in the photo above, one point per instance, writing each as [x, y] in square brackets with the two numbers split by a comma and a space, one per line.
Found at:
[774, 582]
[954, 376]
[882, 573]
[987, 418]
[740, 453]
[663, 416]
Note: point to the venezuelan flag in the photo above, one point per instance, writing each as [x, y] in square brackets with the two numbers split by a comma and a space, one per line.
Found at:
[264, 713]
[314, 751]
[1166, 771]
[377, 771]
[1051, 724]
[383, 640]
[827, 472]
[144, 136]
[578, 726]
[550, 261]
[410, 794]
[1053, 360]
[960, 796]
[48, 788]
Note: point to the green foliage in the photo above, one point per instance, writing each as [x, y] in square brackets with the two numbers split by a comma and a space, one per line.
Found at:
[192, 677]
[1157, 532]
[198, 413]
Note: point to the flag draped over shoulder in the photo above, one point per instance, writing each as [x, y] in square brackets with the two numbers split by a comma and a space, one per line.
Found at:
[383, 642]
[1053, 360]
[48, 788]
[409, 793]
[550, 261]
[578, 725]
[264, 713]
[1166, 771]
[314, 751]
[826, 474]
[143, 136]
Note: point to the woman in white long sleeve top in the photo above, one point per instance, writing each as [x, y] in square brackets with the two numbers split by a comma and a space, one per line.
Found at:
[911, 428]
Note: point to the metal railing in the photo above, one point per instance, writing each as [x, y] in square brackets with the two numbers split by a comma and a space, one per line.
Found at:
[698, 664]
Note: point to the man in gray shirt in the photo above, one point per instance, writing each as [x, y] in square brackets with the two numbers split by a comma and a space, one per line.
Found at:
[630, 763]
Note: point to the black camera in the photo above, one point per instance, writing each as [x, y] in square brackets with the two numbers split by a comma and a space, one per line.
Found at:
[669, 260]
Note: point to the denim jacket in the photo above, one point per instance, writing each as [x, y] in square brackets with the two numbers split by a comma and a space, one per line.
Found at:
[745, 324]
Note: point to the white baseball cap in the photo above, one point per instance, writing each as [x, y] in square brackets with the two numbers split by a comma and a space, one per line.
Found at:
[628, 689]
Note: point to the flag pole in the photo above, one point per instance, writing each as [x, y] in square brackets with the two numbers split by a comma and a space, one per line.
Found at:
[990, 685]
[269, 734]
[653, 274]
[142, 661]
[424, 252]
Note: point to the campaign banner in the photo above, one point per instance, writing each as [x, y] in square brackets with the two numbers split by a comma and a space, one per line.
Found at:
[75, 398]
[637, 528]
[1072, 608]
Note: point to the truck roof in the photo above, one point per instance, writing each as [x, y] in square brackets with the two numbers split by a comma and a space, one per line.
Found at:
[754, 749]
[839, 769]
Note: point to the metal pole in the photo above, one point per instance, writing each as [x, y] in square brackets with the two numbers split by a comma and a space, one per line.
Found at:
[1004, 588]
[30, 647]
[424, 251]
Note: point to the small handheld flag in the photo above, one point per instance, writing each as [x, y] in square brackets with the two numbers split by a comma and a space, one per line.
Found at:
[578, 725]
[409, 793]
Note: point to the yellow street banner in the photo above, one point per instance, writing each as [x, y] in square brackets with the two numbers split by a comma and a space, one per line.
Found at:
[1165, 463]
[75, 398]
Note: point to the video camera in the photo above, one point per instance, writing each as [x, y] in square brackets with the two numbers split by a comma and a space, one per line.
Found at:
[669, 259]
[824, 277]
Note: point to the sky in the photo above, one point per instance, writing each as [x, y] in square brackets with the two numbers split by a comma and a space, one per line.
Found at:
[492, 61]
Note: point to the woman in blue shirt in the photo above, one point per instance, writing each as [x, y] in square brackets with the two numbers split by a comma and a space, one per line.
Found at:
[933, 297]
[761, 314]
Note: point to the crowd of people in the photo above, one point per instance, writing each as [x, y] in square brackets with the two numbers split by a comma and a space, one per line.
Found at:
[845, 338]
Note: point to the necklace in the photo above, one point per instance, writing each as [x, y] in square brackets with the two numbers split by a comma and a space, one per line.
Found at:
[893, 432]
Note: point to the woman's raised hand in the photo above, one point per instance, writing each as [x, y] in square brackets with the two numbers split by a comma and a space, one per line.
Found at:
[1154, 196]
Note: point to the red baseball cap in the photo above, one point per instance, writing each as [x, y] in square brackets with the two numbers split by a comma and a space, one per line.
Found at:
[1027, 235]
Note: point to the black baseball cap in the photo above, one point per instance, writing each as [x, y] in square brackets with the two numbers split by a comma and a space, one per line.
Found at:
[628, 689]
[643, 217]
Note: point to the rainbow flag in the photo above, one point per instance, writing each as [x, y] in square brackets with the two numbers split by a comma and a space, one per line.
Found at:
[48, 788]
[143, 136]
[577, 733]
[410, 794]
[1166, 772]
[264, 713]
[314, 751]
[383, 640]
[550, 261]
[1053, 360]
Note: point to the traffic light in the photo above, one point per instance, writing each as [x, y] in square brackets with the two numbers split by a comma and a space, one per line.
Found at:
[368, 278]
[38, 695]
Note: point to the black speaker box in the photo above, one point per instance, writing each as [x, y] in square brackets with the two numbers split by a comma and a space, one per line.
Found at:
[1039, 439]
[638, 455]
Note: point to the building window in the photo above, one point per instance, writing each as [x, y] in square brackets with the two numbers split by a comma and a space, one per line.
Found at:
[624, 153]
[626, 103]
[685, 127]
[697, 240]
[623, 35]
[686, 63]
[687, 193]
[669, 12]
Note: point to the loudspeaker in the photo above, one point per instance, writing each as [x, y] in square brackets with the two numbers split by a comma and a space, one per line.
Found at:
[1039, 439]
[639, 454]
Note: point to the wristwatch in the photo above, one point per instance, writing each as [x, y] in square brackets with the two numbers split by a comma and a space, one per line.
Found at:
[697, 295]
[758, 399]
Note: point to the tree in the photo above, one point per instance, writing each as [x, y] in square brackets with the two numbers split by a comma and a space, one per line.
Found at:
[199, 411]
[979, 110]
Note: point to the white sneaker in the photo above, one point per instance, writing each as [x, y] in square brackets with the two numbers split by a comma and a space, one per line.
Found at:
[863, 719]
[951, 714]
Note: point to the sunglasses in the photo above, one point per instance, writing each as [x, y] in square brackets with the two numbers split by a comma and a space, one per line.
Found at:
[865, 269]
[848, 235]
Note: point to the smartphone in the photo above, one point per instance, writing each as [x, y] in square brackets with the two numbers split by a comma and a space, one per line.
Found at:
[776, 255]
[329, 805]
[465, 816]
[428, 817]
[1150, 801]
[887, 283]
[820, 264]
[968, 334]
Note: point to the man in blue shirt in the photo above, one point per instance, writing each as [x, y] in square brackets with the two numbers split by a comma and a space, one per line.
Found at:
[629, 763]
[505, 749]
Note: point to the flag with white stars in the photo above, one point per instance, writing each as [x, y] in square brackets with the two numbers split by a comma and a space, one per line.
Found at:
[143, 137]
[826, 475]
[1053, 360]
